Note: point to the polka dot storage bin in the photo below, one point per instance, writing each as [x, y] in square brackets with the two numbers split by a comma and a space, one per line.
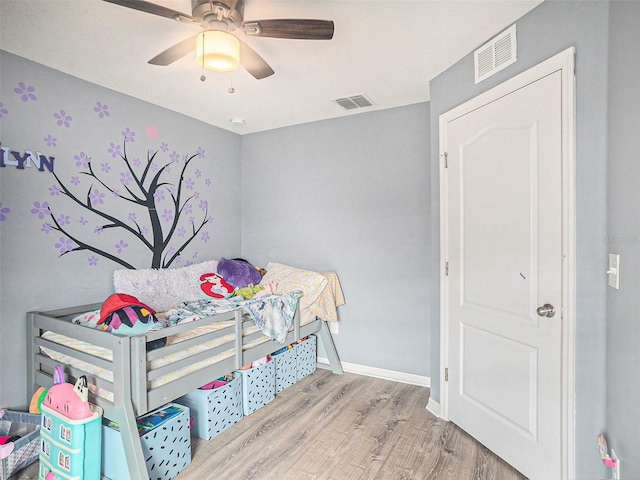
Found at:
[214, 411]
[306, 362]
[258, 387]
[285, 366]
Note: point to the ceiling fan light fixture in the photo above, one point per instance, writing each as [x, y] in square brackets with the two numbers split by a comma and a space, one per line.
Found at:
[217, 51]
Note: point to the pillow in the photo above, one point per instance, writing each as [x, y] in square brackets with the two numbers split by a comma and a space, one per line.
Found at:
[289, 279]
[213, 285]
[164, 288]
[239, 273]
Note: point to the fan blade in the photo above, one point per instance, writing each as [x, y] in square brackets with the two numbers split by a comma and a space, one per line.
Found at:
[175, 52]
[303, 29]
[254, 63]
[153, 9]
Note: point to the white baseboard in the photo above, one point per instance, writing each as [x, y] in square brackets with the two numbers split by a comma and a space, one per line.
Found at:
[433, 407]
[382, 373]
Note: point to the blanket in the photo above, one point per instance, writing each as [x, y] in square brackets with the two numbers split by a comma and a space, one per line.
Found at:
[273, 314]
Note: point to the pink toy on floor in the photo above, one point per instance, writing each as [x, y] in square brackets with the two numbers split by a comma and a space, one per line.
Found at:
[68, 400]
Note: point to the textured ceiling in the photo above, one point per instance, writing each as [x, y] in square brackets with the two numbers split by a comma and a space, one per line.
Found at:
[387, 49]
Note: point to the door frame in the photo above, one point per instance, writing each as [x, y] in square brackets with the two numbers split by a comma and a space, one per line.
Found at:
[563, 62]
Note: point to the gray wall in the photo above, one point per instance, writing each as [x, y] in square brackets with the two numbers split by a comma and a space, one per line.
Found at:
[351, 195]
[34, 276]
[623, 328]
[549, 29]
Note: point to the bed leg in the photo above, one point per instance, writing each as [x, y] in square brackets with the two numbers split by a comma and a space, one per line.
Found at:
[132, 446]
[330, 349]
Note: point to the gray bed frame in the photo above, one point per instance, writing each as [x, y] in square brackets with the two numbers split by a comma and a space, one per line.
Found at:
[132, 395]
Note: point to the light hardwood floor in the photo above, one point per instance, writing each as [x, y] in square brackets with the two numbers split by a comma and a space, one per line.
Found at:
[342, 427]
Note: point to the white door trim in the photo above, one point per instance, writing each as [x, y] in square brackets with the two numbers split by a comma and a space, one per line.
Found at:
[563, 62]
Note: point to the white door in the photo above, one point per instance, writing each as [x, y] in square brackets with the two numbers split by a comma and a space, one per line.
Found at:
[503, 298]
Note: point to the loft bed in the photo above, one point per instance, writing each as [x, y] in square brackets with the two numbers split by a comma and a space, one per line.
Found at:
[127, 379]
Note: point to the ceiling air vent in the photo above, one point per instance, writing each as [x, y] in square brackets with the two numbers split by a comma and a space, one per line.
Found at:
[495, 55]
[353, 102]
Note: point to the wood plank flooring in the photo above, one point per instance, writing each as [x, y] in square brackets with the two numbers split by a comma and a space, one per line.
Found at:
[342, 427]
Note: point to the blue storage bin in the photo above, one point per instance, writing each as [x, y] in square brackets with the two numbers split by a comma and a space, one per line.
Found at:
[214, 411]
[258, 387]
[286, 368]
[70, 448]
[306, 362]
[166, 448]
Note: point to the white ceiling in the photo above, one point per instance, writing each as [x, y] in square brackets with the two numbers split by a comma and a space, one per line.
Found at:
[387, 49]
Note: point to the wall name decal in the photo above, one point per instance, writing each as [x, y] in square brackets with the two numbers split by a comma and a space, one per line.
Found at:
[20, 161]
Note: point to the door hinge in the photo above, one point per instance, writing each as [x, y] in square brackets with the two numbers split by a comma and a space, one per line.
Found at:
[446, 160]
[446, 374]
[446, 269]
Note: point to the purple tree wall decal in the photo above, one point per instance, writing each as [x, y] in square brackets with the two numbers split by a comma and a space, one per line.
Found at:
[144, 190]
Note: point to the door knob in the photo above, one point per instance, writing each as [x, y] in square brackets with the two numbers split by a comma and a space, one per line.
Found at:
[546, 310]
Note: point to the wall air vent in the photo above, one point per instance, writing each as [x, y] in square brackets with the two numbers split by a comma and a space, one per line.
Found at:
[496, 54]
[354, 101]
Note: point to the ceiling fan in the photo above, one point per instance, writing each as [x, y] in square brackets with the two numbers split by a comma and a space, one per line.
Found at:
[222, 18]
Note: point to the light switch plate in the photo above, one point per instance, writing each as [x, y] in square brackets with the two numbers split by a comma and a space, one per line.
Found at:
[614, 270]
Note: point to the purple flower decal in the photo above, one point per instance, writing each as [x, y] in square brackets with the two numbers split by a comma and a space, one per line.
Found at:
[101, 110]
[75, 181]
[97, 197]
[105, 167]
[63, 220]
[129, 135]
[203, 205]
[154, 167]
[64, 245]
[188, 209]
[164, 147]
[167, 215]
[115, 192]
[54, 190]
[3, 111]
[41, 209]
[50, 141]
[181, 232]
[114, 150]
[200, 152]
[46, 228]
[3, 212]
[189, 184]
[27, 93]
[198, 173]
[195, 255]
[126, 178]
[83, 221]
[171, 250]
[192, 220]
[82, 161]
[158, 195]
[144, 231]
[132, 217]
[62, 119]
[175, 157]
[205, 236]
[136, 162]
[121, 246]
[207, 182]
[98, 229]
[93, 260]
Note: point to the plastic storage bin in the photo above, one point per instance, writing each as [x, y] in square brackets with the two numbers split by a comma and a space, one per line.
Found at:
[23, 451]
[306, 362]
[214, 411]
[166, 448]
[258, 387]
